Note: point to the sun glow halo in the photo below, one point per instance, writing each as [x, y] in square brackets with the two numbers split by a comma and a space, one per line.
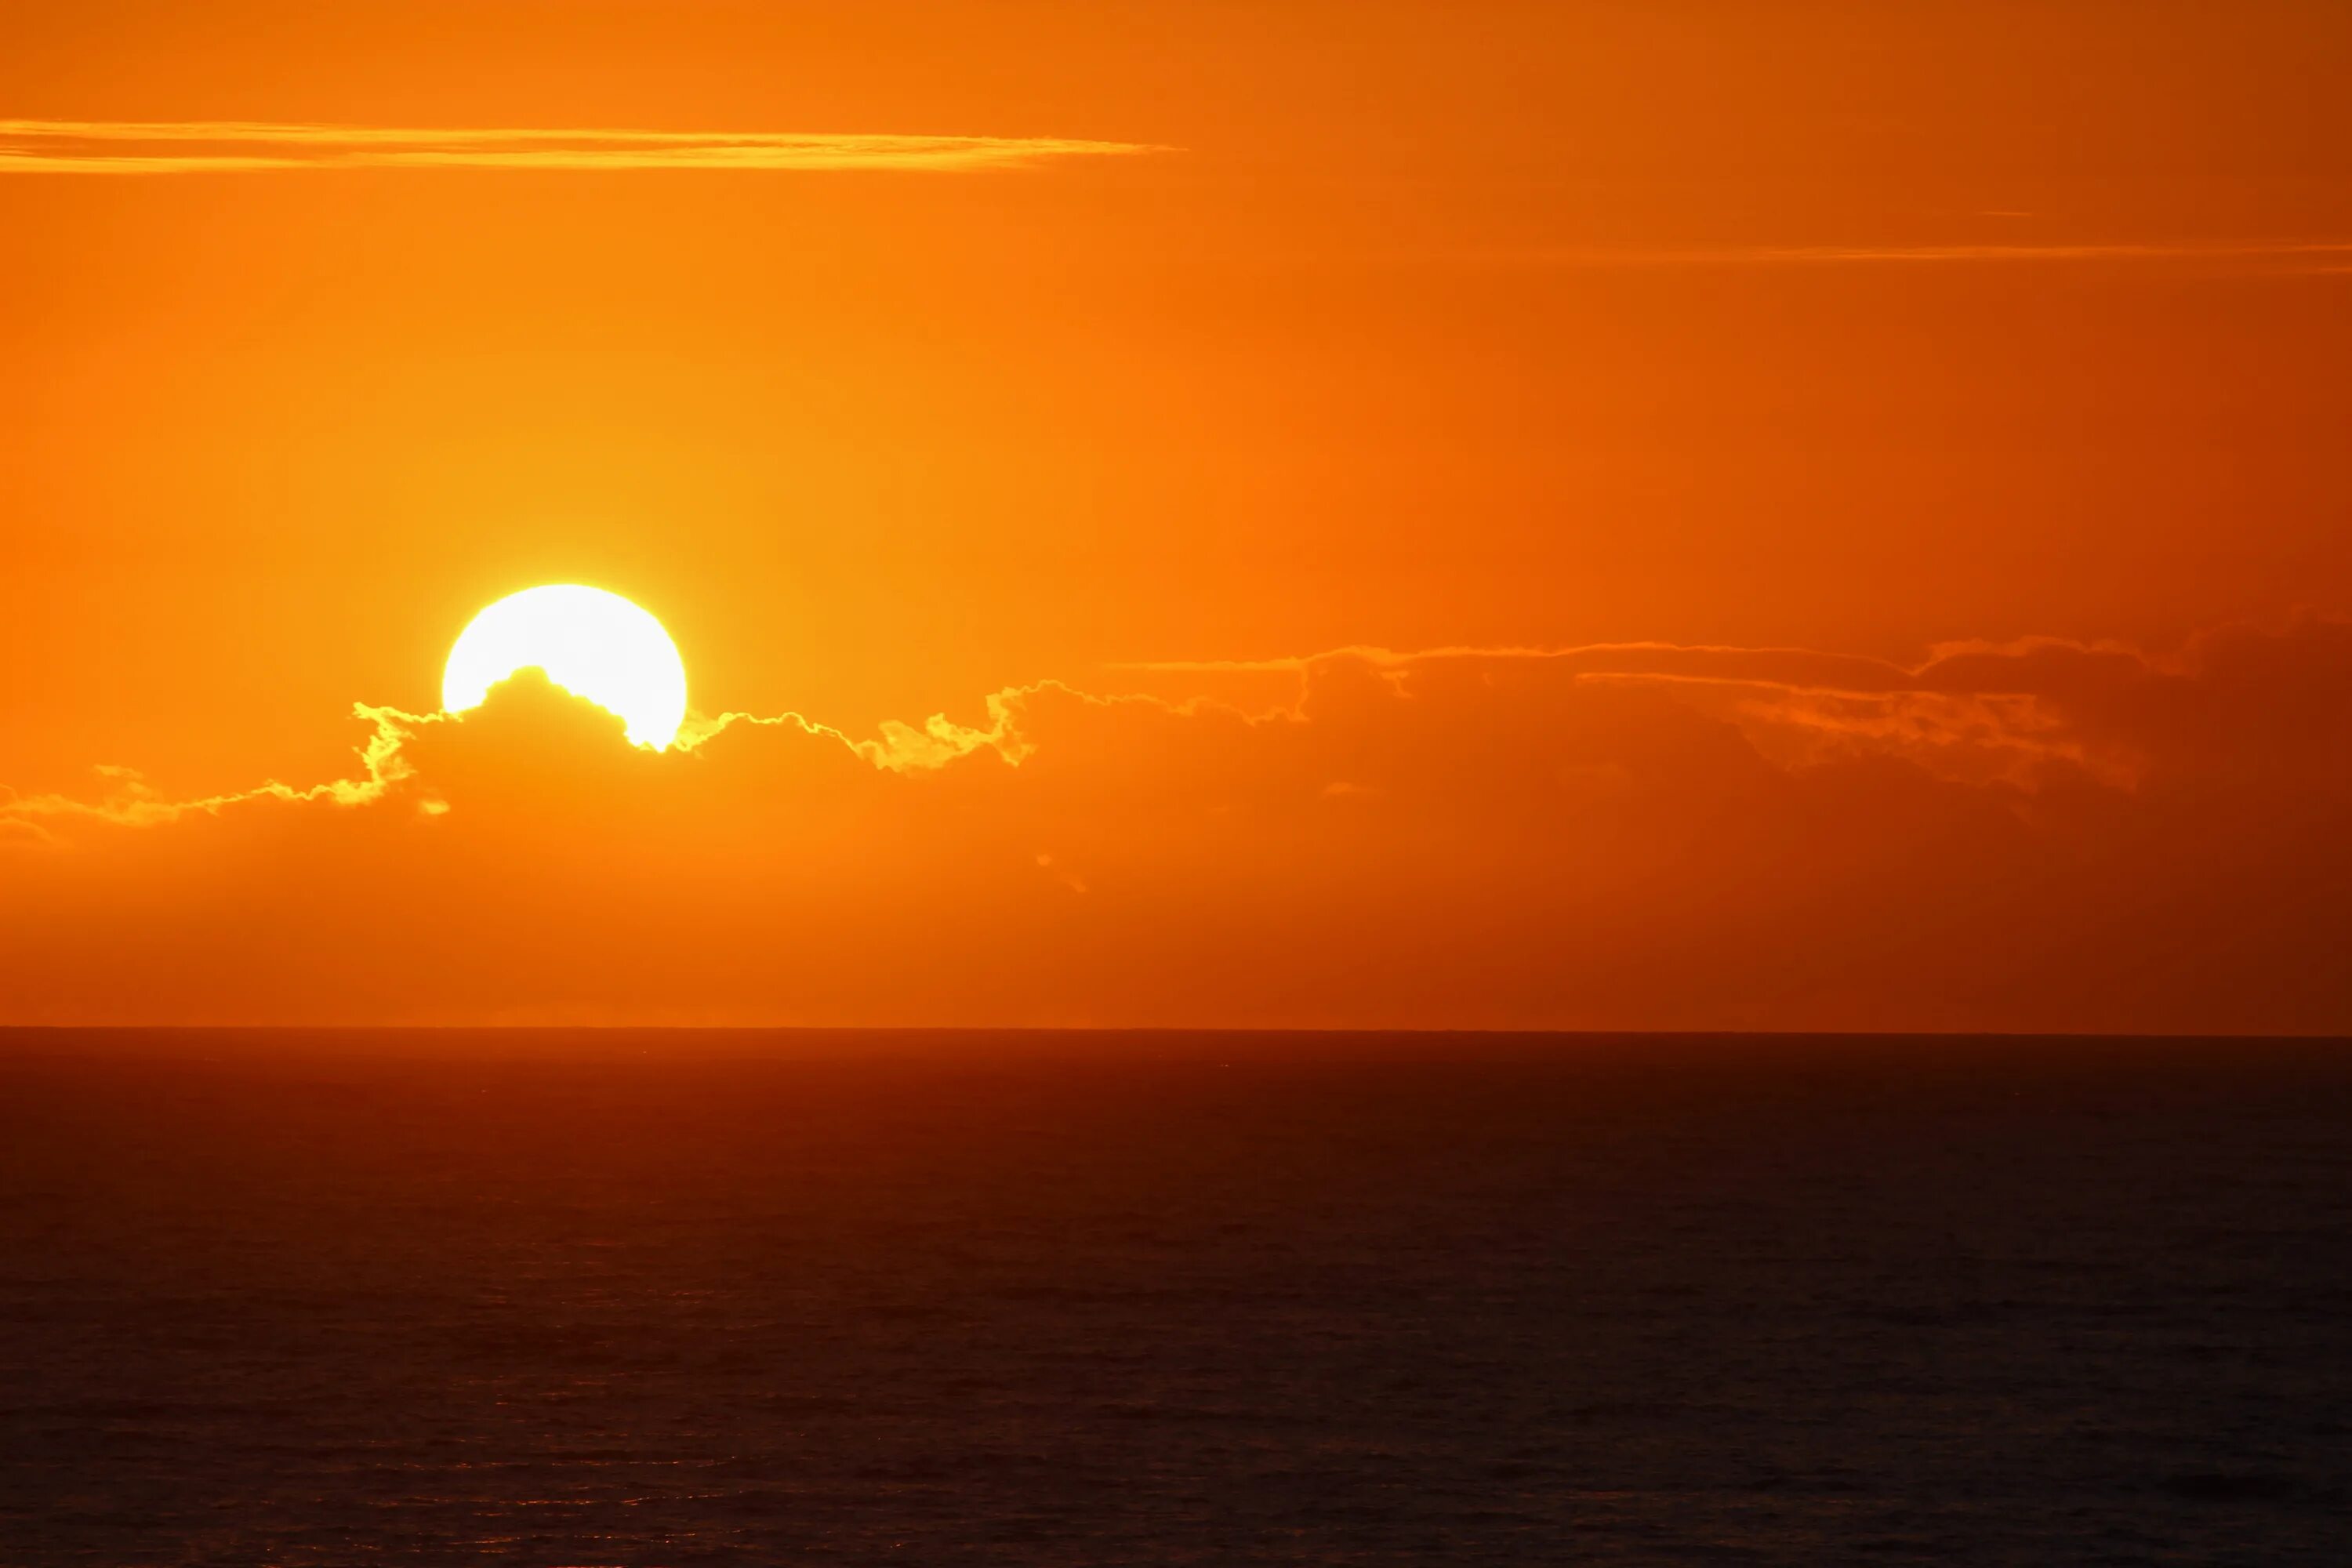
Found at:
[592, 644]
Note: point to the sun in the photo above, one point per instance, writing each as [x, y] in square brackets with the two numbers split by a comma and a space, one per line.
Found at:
[591, 643]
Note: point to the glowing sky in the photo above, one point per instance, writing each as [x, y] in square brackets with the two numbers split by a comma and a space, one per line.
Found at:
[1683, 515]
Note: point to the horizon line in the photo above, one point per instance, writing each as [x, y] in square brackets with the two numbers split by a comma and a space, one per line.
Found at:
[1416, 1030]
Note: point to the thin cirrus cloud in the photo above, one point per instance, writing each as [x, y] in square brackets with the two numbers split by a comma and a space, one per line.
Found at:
[187, 147]
[2323, 254]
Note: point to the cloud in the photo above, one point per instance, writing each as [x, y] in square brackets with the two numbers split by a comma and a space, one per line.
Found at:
[132, 802]
[2321, 255]
[2027, 835]
[1800, 704]
[177, 147]
[932, 744]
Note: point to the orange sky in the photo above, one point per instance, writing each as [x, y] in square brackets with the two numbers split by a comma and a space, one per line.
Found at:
[1900, 336]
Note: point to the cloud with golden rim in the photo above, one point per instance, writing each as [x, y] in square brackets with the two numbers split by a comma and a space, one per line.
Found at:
[2037, 834]
[187, 147]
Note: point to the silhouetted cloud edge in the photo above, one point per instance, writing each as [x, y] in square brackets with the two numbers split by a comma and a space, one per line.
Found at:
[1980, 711]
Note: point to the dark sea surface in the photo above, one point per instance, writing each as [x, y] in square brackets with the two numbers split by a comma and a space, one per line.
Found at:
[629, 1298]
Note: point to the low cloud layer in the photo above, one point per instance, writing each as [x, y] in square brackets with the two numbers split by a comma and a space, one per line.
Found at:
[186, 147]
[2023, 836]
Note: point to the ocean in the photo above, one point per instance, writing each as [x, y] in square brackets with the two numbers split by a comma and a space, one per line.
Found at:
[616, 1298]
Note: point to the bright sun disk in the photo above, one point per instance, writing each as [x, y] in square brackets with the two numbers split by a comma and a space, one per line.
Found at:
[591, 643]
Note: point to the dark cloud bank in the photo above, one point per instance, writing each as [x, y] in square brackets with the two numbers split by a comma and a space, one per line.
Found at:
[2036, 835]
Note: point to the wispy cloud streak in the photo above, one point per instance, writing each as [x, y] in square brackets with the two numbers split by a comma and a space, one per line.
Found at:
[183, 147]
[1734, 256]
